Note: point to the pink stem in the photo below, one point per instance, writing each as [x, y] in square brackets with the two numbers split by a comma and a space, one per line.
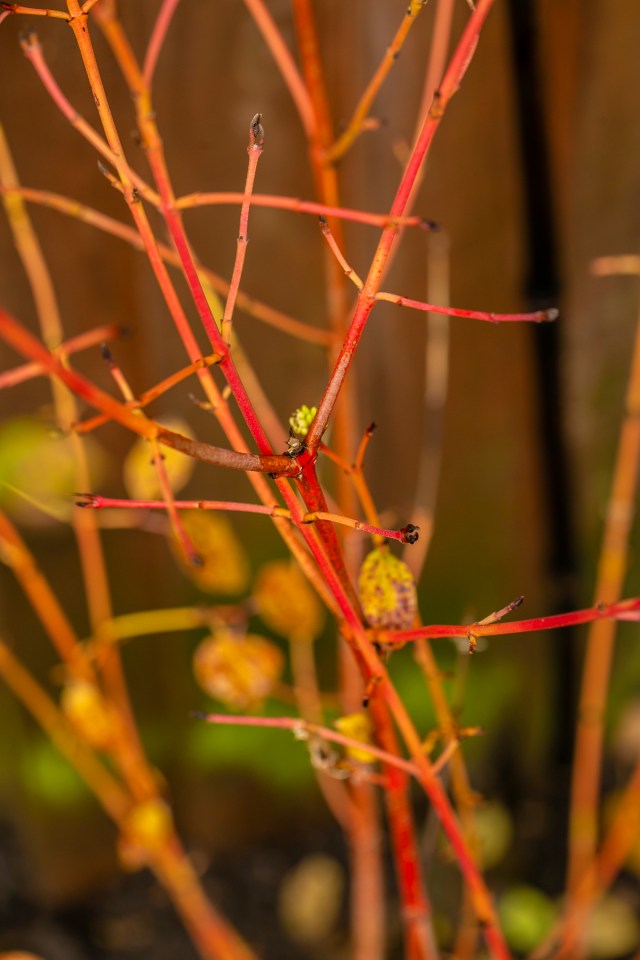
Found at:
[157, 39]
[303, 728]
[295, 205]
[286, 64]
[407, 534]
[538, 316]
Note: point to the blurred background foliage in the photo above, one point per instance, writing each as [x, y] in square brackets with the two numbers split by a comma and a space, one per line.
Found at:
[243, 794]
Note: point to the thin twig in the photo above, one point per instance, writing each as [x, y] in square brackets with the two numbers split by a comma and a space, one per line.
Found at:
[295, 205]
[408, 534]
[254, 150]
[304, 730]
[622, 610]
[286, 64]
[537, 316]
[357, 122]
[24, 342]
[249, 305]
[157, 460]
[450, 84]
[156, 41]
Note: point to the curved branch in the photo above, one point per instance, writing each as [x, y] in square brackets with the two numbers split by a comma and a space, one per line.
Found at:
[25, 343]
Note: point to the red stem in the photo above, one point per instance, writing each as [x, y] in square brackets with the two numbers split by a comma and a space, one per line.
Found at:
[624, 610]
[450, 83]
[315, 501]
[26, 344]
[227, 366]
[405, 844]
[9, 378]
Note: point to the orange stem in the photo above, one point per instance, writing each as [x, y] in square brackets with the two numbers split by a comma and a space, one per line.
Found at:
[610, 577]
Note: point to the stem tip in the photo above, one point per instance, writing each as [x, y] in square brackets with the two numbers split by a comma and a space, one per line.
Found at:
[410, 533]
[256, 132]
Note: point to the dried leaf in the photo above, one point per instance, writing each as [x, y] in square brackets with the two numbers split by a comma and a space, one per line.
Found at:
[286, 602]
[146, 828]
[240, 671]
[310, 898]
[613, 929]
[92, 716]
[225, 567]
[387, 591]
[139, 474]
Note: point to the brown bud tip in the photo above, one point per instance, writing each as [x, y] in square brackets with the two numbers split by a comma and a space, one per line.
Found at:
[104, 170]
[410, 533]
[106, 354]
[28, 39]
[256, 131]
[552, 314]
[429, 225]
[84, 500]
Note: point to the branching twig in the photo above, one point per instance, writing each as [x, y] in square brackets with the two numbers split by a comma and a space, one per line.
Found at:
[12, 332]
[408, 534]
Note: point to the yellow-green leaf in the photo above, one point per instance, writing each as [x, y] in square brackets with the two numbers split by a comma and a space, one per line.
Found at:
[225, 567]
[286, 602]
[93, 717]
[238, 670]
[387, 591]
[139, 474]
[356, 726]
[38, 474]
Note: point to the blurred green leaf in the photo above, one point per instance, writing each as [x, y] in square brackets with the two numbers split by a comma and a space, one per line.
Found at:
[526, 916]
[48, 777]
[37, 471]
[494, 828]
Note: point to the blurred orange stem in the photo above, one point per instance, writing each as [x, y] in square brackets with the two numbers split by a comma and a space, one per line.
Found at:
[612, 568]
[113, 798]
[361, 112]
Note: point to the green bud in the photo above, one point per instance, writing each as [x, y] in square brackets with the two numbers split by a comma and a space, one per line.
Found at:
[301, 419]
